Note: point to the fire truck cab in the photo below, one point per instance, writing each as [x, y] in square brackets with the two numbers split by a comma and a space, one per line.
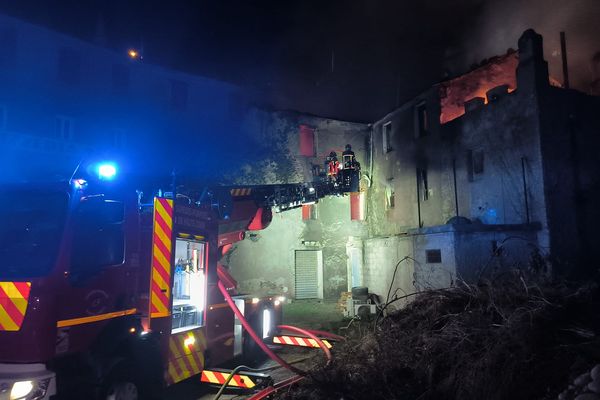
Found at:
[103, 295]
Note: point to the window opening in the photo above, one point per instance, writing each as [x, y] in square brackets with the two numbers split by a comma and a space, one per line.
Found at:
[433, 256]
[387, 137]
[189, 285]
[475, 163]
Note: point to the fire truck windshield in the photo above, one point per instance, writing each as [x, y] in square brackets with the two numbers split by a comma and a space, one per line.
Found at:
[30, 232]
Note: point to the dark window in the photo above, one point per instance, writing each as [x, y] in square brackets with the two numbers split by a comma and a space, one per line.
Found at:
[8, 47]
[433, 256]
[475, 163]
[423, 183]
[422, 125]
[179, 95]
[98, 238]
[30, 233]
[69, 65]
[387, 137]
[120, 78]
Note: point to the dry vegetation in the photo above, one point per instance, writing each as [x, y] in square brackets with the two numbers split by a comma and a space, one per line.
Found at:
[501, 339]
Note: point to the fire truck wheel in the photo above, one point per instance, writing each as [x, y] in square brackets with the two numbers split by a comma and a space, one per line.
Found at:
[122, 391]
[121, 384]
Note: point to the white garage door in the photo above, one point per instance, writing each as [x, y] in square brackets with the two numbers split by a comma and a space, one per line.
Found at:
[309, 274]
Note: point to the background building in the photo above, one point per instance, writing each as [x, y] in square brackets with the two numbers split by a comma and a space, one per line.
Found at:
[62, 99]
[489, 170]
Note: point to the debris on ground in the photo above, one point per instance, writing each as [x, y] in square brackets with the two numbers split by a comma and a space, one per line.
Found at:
[501, 339]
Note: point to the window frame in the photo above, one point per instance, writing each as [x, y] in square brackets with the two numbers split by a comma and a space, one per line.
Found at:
[201, 316]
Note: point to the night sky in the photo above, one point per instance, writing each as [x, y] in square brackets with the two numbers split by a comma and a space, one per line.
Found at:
[354, 60]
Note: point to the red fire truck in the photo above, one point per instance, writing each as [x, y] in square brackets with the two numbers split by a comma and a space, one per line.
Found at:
[106, 292]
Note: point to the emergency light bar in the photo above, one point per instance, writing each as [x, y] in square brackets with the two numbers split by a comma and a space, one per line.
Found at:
[107, 171]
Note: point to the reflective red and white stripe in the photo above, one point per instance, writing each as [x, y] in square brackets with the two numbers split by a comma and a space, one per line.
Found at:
[218, 377]
[299, 341]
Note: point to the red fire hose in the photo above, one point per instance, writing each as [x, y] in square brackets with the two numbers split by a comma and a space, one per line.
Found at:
[261, 344]
[311, 334]
[325, 334]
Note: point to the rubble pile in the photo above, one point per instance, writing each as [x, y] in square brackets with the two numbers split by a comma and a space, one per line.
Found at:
[503, 338]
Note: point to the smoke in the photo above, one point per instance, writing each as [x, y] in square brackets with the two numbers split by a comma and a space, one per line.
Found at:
[501, 23]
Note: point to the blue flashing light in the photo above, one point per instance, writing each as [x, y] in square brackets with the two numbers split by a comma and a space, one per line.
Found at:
[107, 171]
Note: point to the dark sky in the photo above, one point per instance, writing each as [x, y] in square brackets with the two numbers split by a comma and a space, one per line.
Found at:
[354, 59]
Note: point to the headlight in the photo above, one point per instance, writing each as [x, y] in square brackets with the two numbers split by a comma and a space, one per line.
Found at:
[29, 390]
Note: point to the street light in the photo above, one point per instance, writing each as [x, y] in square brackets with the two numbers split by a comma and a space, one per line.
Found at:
[133, 54]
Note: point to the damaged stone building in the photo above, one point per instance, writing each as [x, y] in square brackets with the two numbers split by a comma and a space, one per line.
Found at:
[492, 169]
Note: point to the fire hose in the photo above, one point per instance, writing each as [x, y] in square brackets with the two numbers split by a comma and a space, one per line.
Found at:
[269, 352]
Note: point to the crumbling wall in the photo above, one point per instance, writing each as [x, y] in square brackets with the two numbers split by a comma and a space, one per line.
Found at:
[266, 260]
[494, 72]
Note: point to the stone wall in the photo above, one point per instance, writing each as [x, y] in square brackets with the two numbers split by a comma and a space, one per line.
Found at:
[381, 257]
[264, 262]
